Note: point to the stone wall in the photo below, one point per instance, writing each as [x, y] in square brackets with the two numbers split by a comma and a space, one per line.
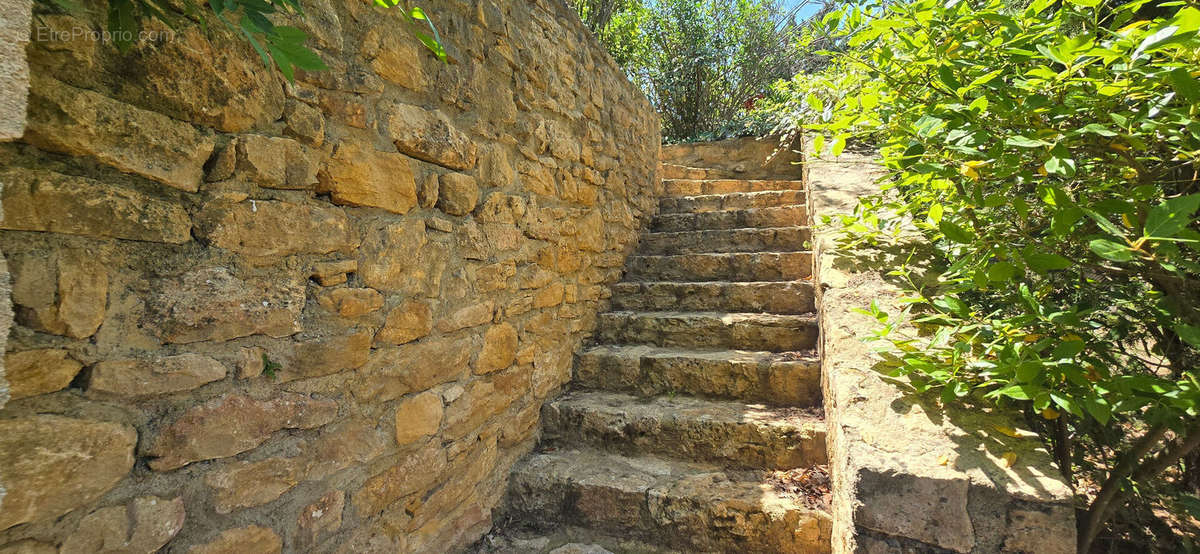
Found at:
[911, 475]
[740, 158]
[256, 316]
[14, 87]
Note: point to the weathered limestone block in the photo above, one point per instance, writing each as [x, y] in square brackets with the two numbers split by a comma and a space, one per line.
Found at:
[232, 424]
[270, 230]
[259, 540]
[38, 200]
[521, 426]
[330, 274]
[40, 371]
[429, 136]
[84, 123]
[469, 469]
[147, 377]
[395, 57]
[415, 473]
[323, 356]
[6, 321]
[418, 417]
[551, 369]
[248, 484]
[499, 207]
[319, 519]
[590, 232]
[360, 175]
[428, 196]
[407, 322]
[28, 546]
[550, 295]
[396, 371]
[207, 81]
[344, 107]
[480, 402]
[82, 293]
[499, 349]
[213, 304]
[393, 258]
[341, 445]
[14, 71]
[250, 362]
[470, 316]
[494, 276]
[51, 465]
[563, 144]
[304, 123]
[276, 163]
[1028, 528]
[65, 294]
[351, 302]
[457, 193]
[142, 527]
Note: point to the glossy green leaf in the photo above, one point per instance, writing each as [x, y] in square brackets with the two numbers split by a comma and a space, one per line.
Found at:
[1110, 250]
[1043, 262]
[1171, 216]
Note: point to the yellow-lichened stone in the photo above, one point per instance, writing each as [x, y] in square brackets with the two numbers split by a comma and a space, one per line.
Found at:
[418, 417]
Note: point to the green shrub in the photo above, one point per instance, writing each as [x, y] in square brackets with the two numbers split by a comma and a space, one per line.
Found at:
[702, 63]
[1048, 155]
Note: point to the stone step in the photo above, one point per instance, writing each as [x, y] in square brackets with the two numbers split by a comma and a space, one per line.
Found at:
[690, 507]
[783, 216]
[697, 187]
[740, 331]
[734, 201]
[775, 297]
[750, 376]
[731, 434]
[772, 239]
[725, 266]
[519, 538]
[676, 171]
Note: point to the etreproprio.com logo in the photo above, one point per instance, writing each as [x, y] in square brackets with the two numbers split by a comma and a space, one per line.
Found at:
[80, 32]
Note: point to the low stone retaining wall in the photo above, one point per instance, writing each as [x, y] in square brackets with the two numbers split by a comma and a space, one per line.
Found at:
[908, 475]
[739, 158]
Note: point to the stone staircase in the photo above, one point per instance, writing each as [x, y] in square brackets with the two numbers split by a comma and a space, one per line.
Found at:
[694, 421]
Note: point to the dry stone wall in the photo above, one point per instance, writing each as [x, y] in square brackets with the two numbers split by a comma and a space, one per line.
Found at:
[255, 316]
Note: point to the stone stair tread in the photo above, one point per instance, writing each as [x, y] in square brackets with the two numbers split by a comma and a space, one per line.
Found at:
[732, 201]
[715, 354]
[735, 434]
[777, 297]
[749, 331]
[701, 187]
[562, 539]
[726, 241]
[685, 505]
[724, 317]
[787, 265]
[790, 378]
[749, 218]
[732, 230]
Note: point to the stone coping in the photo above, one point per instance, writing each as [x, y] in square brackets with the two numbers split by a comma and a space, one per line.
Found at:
[908, 476]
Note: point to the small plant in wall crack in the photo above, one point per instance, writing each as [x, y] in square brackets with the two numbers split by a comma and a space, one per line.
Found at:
[280, 45]
[270, 368]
